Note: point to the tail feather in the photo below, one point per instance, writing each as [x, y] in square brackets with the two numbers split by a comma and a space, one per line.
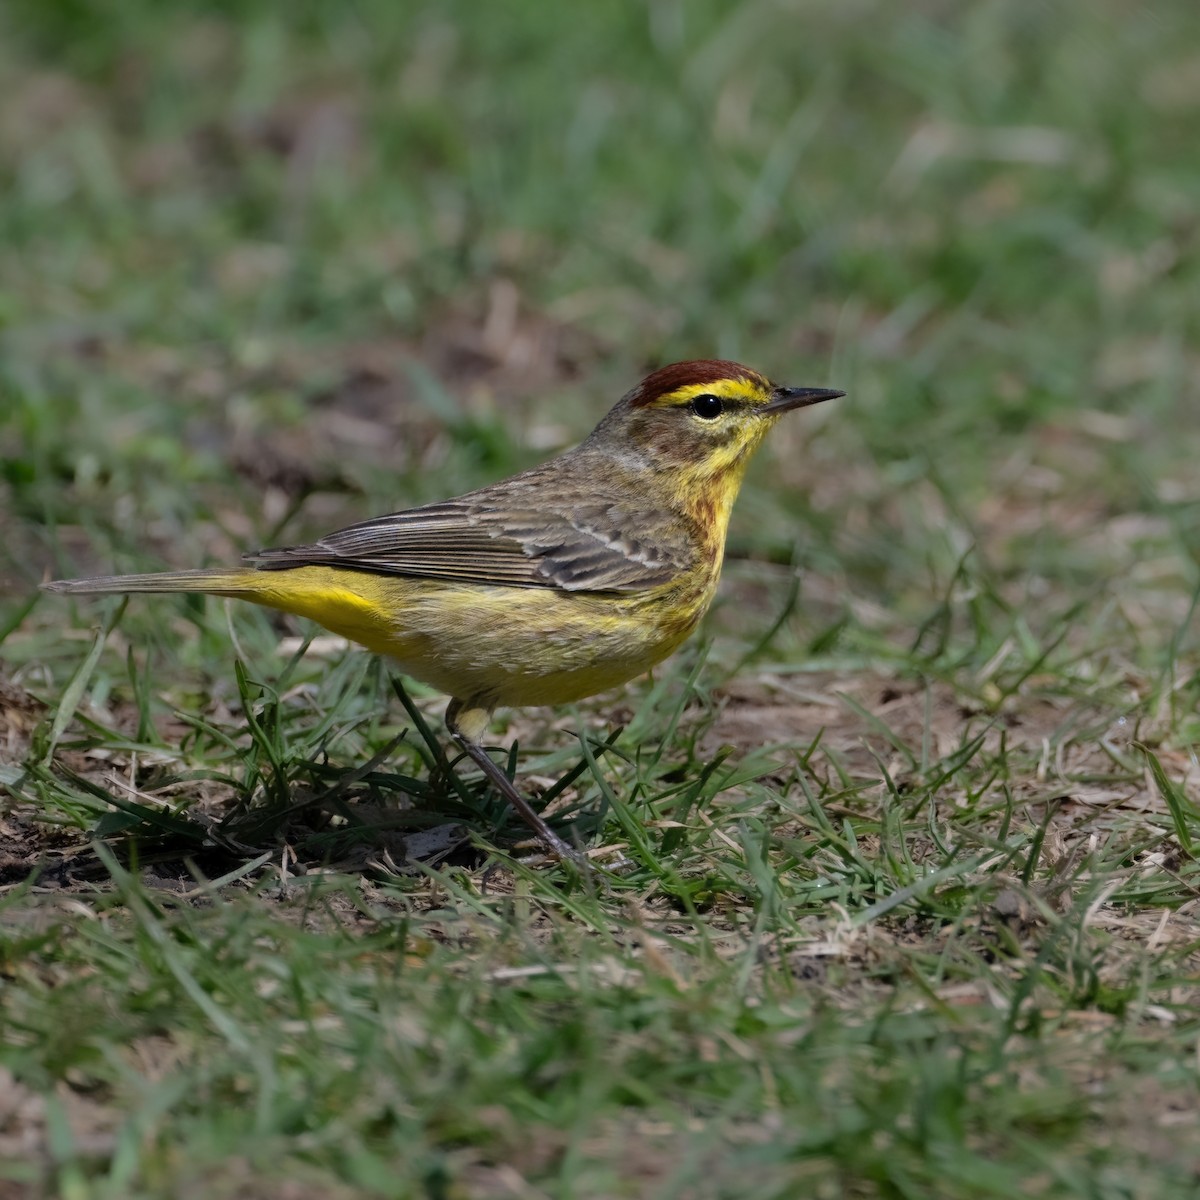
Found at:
[212, 580]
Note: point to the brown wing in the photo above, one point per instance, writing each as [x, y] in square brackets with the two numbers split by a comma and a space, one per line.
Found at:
[502, 535]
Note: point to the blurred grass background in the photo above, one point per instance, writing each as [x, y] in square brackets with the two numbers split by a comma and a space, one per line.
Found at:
[267, 270]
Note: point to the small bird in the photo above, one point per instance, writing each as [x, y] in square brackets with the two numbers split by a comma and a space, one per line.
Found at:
[560, 582]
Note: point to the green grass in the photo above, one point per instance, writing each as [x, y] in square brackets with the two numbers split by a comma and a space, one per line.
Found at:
[897, 864]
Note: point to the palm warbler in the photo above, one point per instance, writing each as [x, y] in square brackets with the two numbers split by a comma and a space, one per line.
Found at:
[558, 583]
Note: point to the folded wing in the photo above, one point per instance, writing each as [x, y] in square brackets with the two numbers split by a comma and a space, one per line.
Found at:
[502, 536]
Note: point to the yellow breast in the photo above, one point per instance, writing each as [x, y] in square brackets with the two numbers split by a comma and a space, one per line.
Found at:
[496, 645]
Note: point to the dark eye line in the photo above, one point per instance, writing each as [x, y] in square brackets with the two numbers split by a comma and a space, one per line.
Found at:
[709, 406]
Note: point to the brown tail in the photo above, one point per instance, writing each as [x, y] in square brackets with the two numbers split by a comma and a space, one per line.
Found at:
[220, 580]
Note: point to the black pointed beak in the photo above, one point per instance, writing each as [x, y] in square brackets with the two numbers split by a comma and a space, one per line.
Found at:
[785, 398]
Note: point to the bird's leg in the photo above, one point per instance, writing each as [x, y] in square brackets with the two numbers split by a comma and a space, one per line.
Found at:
[467, 725]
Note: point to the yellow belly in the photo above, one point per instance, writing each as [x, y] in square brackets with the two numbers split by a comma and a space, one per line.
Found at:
[493, 645]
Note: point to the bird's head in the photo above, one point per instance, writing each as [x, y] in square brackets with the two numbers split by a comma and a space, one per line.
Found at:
[701, 420]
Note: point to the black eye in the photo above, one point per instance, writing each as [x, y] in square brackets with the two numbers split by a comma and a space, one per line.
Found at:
[707, 408]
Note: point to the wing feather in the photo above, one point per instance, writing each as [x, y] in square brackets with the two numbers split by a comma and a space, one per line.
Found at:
[502, 535]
